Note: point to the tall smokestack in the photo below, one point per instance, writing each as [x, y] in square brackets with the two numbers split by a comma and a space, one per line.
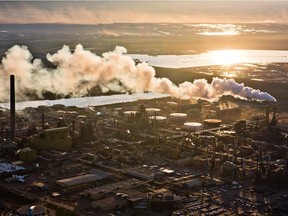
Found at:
[43, 121]
[12, 108]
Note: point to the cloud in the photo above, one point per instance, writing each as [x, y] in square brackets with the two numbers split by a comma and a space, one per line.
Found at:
[77, 72]
[150, 12]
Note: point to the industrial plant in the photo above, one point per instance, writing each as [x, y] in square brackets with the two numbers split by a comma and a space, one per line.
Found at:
[163, 156]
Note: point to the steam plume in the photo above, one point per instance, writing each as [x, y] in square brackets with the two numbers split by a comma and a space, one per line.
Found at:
[79, 71]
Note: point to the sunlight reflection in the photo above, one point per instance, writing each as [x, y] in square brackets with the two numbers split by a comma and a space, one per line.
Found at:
[226, 57]
[223, 33]
[229, 74]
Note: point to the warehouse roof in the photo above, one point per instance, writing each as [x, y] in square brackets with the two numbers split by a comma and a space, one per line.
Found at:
[56, 130]
[78, 180]
[6, 167]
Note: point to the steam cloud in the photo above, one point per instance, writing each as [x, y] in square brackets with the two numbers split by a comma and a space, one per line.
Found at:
[79, 71]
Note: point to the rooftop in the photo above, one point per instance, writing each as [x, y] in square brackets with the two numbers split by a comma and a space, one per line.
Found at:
[77, 180]
[6, 167]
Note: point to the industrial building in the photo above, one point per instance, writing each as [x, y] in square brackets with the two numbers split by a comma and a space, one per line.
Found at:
[54, 138]
[27, 155]
[79, 180]
[109, 203]
[172, 158]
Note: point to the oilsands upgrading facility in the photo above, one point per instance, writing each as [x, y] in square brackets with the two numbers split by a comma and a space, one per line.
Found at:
[152, 157]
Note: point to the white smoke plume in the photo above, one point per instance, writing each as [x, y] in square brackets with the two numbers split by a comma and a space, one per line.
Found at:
[80, 70]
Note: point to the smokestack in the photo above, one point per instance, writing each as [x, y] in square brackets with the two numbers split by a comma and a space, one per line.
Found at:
[267, 114]
[12, 108]
[73, 133]
[43, 121]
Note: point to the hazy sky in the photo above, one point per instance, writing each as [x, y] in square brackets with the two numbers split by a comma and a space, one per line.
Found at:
[189, 11]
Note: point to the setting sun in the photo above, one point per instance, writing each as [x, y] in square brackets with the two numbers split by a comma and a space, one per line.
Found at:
[226, 57]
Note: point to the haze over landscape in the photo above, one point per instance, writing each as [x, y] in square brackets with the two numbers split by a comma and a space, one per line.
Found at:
[91, 28]
[151, 108]
[100, 12]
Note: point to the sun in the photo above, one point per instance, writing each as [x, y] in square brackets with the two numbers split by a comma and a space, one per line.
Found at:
[226, 57]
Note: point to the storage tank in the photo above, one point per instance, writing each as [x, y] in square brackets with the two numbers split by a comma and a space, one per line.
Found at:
[159, 119]
[117, 111]
[212, 123]
[172, 106]
[193, 126]
[152, 111]
[129, 114]
[37, 210]
[178, 118]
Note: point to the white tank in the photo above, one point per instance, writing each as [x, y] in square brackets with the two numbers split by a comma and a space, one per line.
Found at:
[129, 114]
[178, 117]
[117, 111]
[193, 126]
[159, 119]
[152, 111]
[172, 104]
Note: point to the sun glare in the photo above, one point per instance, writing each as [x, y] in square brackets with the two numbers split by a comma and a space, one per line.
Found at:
[229, 74]
[226, 57]
[222, 33]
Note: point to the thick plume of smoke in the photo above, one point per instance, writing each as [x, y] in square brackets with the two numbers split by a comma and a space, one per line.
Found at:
[79, 71]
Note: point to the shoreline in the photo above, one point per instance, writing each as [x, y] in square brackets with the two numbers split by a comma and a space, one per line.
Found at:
[82, 102]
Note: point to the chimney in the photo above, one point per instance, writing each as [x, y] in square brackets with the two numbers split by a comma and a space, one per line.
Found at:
[43, 121]
[274, 119]
[12, 108]
[267, 114]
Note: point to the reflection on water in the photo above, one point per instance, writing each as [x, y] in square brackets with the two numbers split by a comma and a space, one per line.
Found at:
[260, 80]
[272, 72]
[226, 57]
[255, 64]
[217, 57]
[222, 33]
[218, 29]
[229, 74]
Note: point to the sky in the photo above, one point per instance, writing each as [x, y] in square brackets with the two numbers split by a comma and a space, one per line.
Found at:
[137, 11]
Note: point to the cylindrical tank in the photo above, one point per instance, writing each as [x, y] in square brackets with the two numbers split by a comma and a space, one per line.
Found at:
[117, 111]
[193, 126]
[178, 118]
[152, 111]
[129, 114]
[172, 105]
[159, 119]
[212, 123]
[37, 210]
